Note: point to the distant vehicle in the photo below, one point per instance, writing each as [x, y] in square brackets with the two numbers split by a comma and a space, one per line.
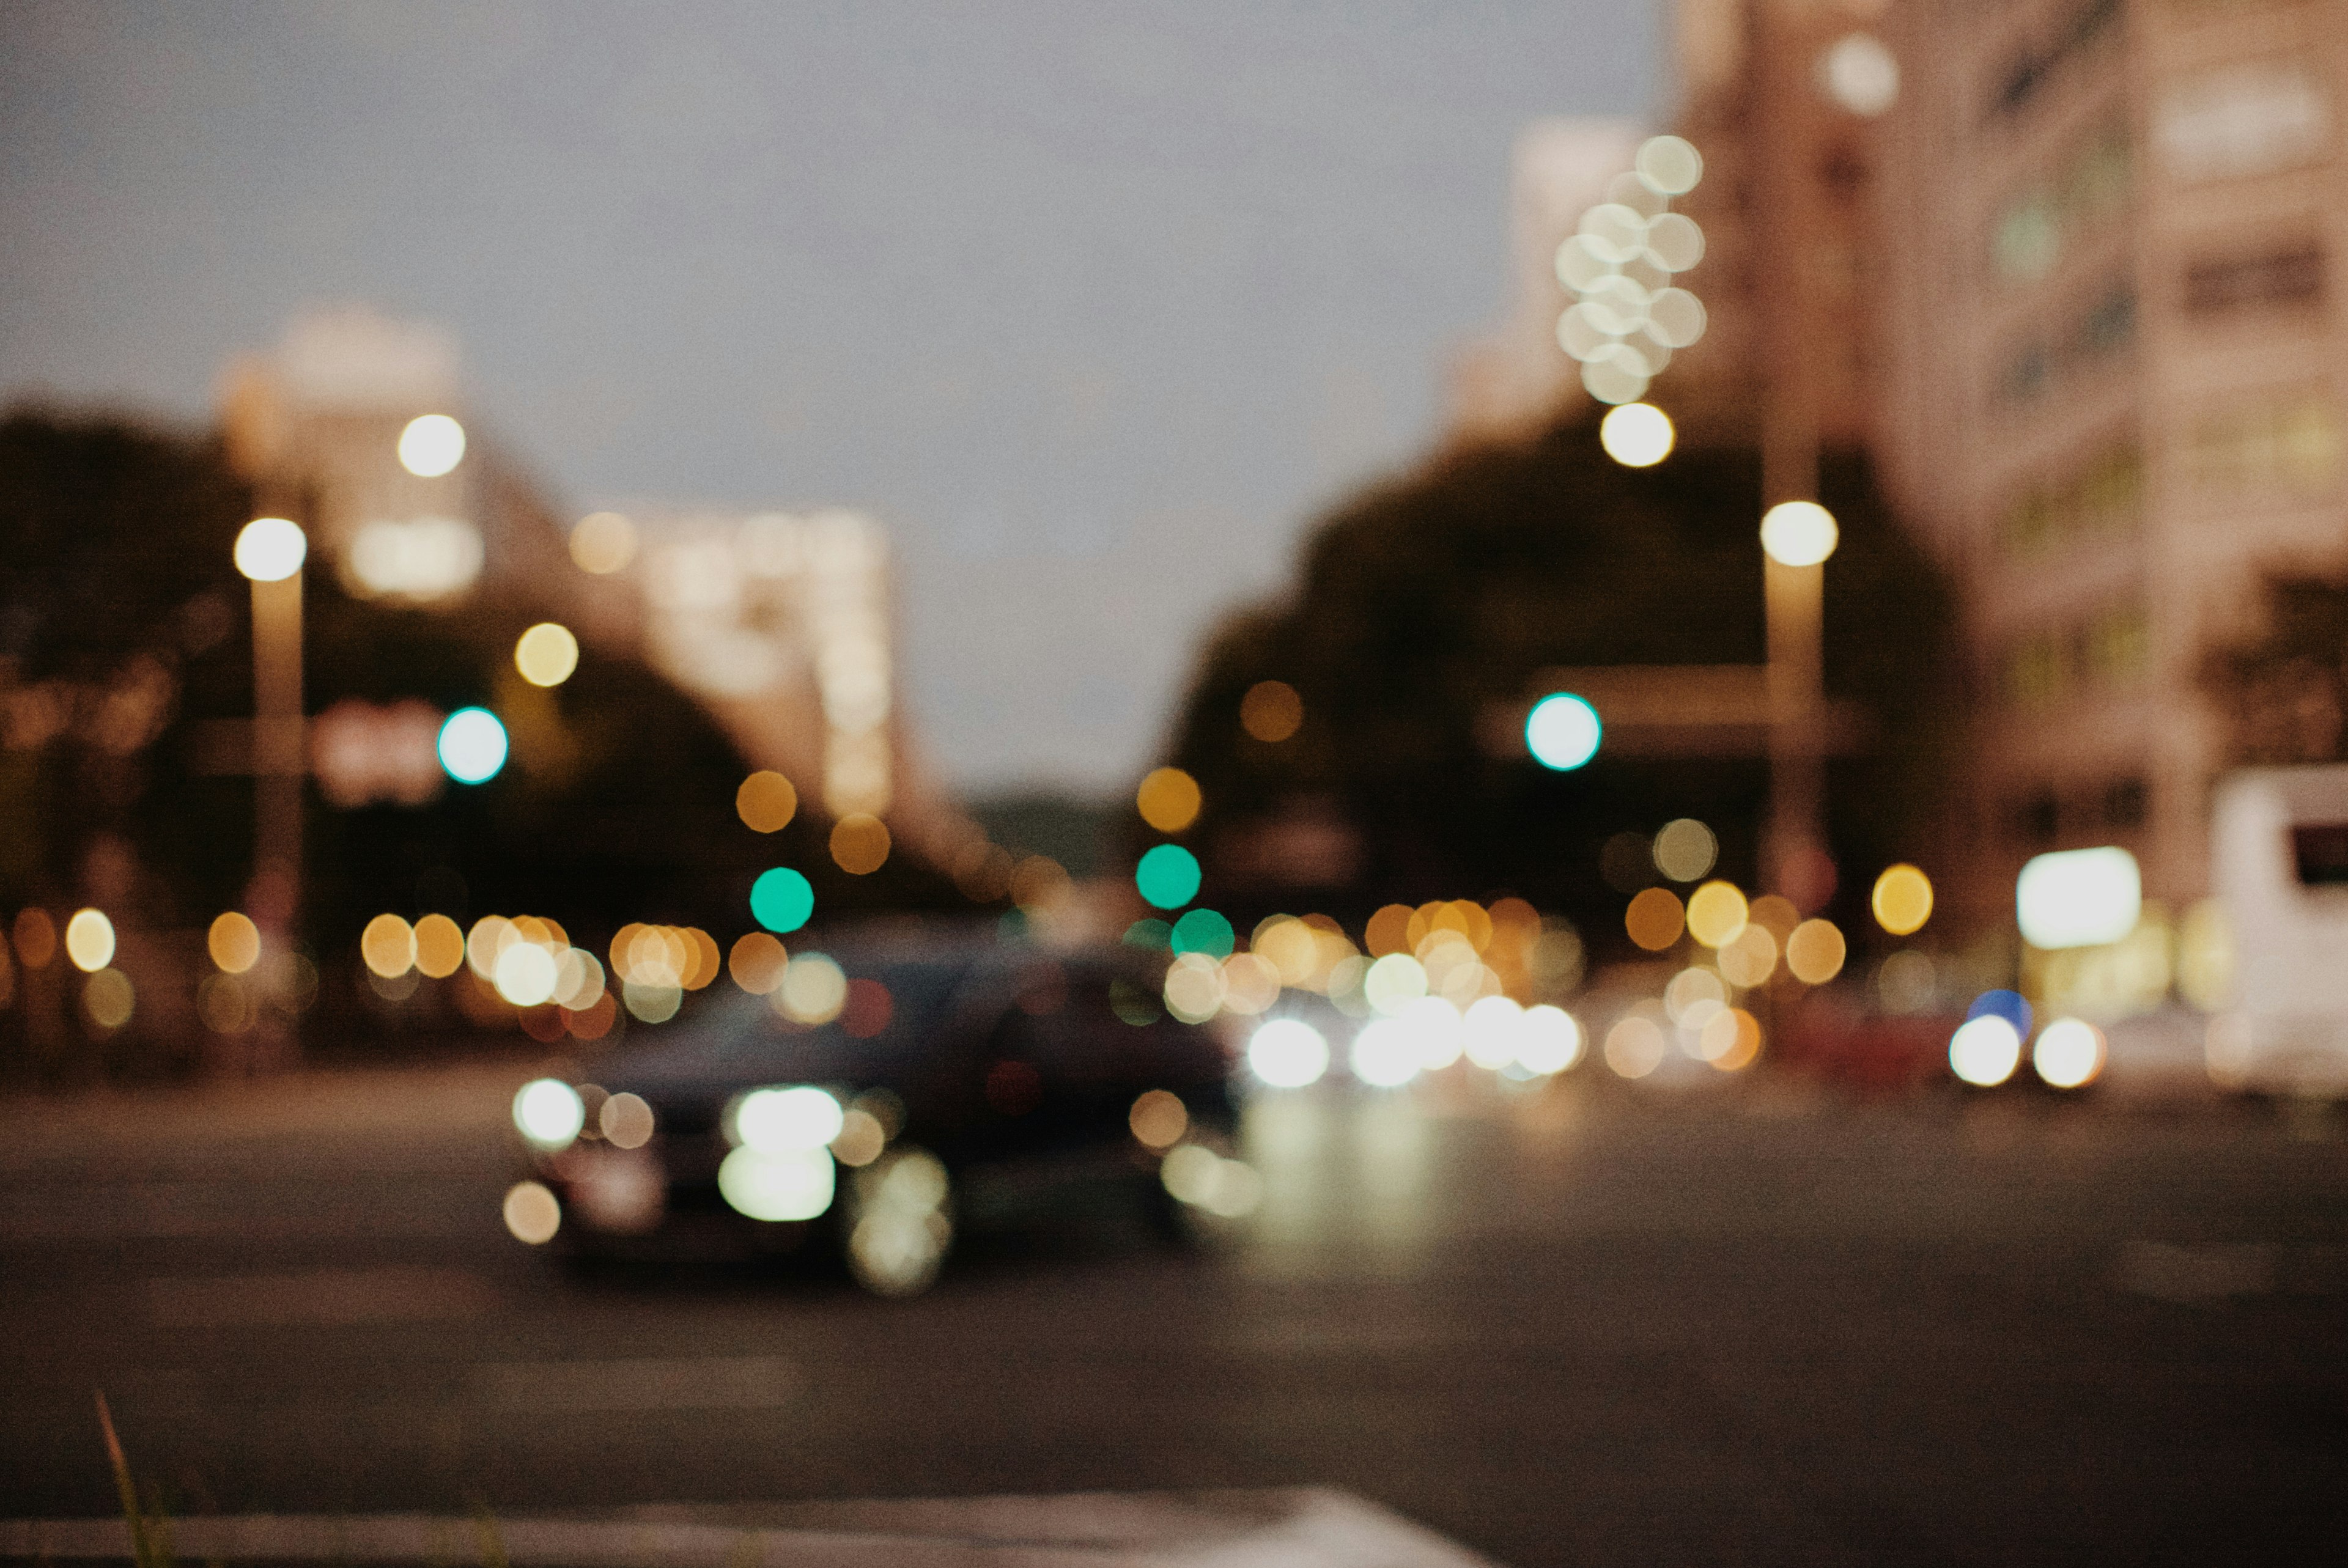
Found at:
[2279, 852]
[954, 1069]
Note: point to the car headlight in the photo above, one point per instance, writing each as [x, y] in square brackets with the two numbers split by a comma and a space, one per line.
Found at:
[785, 1120]
[550, 1113]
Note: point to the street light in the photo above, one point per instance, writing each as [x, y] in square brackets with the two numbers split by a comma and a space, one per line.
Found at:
[270, 551]
[1796, 538]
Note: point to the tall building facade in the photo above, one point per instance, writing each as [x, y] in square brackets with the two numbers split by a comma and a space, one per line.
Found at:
[2109, 381]
[780, 626]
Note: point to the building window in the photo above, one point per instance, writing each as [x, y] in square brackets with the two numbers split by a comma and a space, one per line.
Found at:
[2124, 805]
[2241, 121]
[2091, 182]
[2104, 329]
[2116, 647]
[2101, 495]
[2288, 441]
[2036, 65]
[2108, 651]
[2291, 275]
[2037, 815]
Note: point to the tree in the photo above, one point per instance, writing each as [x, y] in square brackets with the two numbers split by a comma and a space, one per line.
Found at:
[1427, 607]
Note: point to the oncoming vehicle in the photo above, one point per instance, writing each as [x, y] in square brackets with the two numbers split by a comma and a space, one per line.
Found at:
[2279, 851]
[946, 1071]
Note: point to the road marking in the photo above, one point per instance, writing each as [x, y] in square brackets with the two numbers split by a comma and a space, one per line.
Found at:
[710, 1383]
[312, 1298]
[1310, 1527]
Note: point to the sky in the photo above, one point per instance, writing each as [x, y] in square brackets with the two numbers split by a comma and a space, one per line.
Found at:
[1095, 306]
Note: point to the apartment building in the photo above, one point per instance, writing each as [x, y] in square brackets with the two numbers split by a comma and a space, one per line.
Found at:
[2109, 385]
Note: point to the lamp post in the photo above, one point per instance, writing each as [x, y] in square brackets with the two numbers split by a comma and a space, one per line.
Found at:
[270, 552]
[1796, 538]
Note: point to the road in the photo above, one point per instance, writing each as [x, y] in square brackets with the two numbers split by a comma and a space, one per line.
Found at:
[1586, 1325]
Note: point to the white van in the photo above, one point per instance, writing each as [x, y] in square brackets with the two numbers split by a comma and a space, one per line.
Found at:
[2279, 857]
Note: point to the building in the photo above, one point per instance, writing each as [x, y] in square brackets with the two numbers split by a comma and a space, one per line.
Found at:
[781, 626]
[2109, 384]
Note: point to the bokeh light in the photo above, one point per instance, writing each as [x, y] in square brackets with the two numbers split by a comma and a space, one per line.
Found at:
[431, 446]
[1815, 952]
[1730, 1039]
[1655, 918]
[1984, 1050]
[1637, 435]
[1203, 931]
[603, 543]
[533, 1212]
[1668, 165]
[1385, 1055]
[439, 945]
[2079, 897]
[1636, 1046]
[784, 1121]
[860, 844]
[89, 940]
[625, 1121]
[1563, 731]
[813, 991]
[235, 942]
[1393, 983]
[271, 549]
[797, 1185]
[1859, 71]
[1549, 1040]
[472, 745]
[1167, 876]
[525, 975]
[1167, 800]
[1287, 1054]
[1271, 711]
[549, 1112]
[1684, 849]
[1799, 533]
[1491, 1031]
[2068, 1054]
[546, 654]
[1750, 957]
[766, 802]
[35, 936]
[1715, 914]
[388, 946]
[1159, 1119]
[782, 899]
[1902, 900]
[108, 999]
[1193, 988]
[757, 963]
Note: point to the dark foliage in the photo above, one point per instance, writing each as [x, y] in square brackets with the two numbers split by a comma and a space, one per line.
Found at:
[1430, 604]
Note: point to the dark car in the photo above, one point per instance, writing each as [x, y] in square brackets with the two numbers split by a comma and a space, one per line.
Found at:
[951, 1074]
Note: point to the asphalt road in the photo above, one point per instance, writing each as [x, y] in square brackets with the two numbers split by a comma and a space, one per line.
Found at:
[1593, 1325]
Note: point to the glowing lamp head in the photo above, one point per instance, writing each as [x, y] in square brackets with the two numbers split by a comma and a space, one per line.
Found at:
[1799, 533]
[2079, 897]
[549, 1112]
[472, 745]
[1637, 435]
[431, 444]
[1563, 731]
[271, 549]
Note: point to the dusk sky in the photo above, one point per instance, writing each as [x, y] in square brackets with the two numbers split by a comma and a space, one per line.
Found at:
[1095, 306]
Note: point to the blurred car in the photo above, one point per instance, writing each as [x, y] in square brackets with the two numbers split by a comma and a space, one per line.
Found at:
[947, 1068]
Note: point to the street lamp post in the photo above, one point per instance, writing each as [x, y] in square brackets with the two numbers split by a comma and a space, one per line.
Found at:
[1796, 538]
[270, 552]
